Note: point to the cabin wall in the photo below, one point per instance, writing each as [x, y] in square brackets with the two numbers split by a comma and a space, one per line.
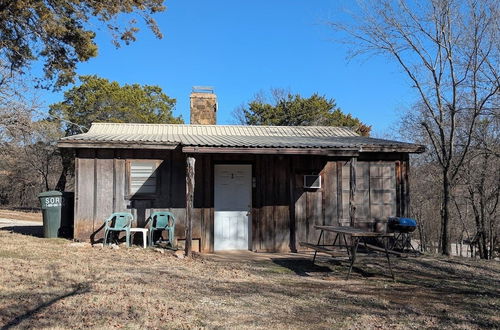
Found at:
[102, 188]
[283, 212]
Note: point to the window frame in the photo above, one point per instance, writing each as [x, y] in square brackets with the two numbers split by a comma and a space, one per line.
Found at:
[128, 179]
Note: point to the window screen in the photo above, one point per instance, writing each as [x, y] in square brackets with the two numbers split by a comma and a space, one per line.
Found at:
[143, 177]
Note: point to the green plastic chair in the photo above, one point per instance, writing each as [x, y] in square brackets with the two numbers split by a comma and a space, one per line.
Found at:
[120, 221]
[162, 221]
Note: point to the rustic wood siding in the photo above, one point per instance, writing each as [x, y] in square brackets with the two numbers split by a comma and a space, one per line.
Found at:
[345, 186]
[84, 194]
[103, 203]
[283, 211]
[382, 189]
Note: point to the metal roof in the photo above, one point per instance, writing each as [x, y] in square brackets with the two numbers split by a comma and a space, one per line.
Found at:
[123, 135]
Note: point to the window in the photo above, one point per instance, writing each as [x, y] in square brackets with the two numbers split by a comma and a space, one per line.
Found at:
[312, 181]
[143, 176]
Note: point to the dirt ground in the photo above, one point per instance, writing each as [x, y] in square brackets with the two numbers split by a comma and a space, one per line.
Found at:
[53, 283]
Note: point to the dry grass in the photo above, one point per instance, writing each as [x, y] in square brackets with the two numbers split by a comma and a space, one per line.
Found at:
[20, 215]
[50, 283]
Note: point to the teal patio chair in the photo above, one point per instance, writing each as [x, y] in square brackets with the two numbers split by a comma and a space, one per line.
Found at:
[160, 221]
[120, 221]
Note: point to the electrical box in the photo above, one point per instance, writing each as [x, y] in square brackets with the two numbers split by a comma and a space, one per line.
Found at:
[312, 181]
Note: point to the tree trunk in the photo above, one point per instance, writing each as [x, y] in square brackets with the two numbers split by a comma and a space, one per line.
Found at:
[445, 215]
[421, 234]
[491, 241]
[484, 234]
[46, 181]
[189, 203]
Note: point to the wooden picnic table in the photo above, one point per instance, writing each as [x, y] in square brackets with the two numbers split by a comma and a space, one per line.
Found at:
[356, 235]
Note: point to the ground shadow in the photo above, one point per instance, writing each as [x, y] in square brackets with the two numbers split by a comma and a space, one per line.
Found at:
[343, 268]
[93, 239]
[301, 267]
[77, 290]
[114, 237]
[36, 231]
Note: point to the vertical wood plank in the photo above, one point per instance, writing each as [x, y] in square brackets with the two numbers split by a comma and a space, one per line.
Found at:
[291, 203]
[165, 174]
[346, 191]
[352, 191]
[398, 189]
[330, 197]
[339, 192]
[301, 221]
[281, 209]
[314, 214]
[84, 213]
[197, 216]
[104, 189]
[301, 225]
[257, 204]
[205, 222]
[178, 191]
[406, 162]
[209, 212]
[269, 201]
[120, 204]
[75, 201]
[178, 180]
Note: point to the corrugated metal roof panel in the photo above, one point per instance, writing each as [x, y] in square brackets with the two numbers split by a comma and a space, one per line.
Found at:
[219, 130]
[231, 136]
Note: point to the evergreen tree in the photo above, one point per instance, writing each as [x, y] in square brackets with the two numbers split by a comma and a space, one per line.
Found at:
[287, 109]
[100, 100]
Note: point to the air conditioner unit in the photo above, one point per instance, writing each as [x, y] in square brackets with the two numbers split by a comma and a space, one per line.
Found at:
[312, 181]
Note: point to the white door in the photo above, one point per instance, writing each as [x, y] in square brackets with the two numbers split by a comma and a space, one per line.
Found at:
[233, 204]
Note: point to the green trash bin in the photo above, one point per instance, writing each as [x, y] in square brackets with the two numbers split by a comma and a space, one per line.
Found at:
[57, 211]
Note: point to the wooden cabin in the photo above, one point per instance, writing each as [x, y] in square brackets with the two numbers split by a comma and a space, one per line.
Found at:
[260, 188]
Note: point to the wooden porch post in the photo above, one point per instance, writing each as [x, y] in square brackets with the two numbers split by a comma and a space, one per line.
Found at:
[189, 202]
[352, 191]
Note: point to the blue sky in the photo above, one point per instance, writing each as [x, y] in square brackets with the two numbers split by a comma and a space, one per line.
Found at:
[242, 47]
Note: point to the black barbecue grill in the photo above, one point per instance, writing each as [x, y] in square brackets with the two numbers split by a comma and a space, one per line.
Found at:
[402, 228]
[402, 225]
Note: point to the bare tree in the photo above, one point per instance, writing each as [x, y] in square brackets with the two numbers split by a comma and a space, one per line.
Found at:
[29, 157]
[449, 50]
[274, 96]
[481, 180]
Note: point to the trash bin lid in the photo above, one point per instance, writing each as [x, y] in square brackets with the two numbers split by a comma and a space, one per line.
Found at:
[52, 193]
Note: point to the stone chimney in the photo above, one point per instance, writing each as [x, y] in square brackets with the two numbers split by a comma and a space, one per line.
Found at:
[203, 106]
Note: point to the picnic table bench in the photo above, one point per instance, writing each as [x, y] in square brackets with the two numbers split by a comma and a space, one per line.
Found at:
[356, 236]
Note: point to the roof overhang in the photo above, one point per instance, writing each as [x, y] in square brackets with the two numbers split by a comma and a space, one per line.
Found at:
[414, 149]
[115, 145]
[347, 151]
[233, 139]
[275, 151]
